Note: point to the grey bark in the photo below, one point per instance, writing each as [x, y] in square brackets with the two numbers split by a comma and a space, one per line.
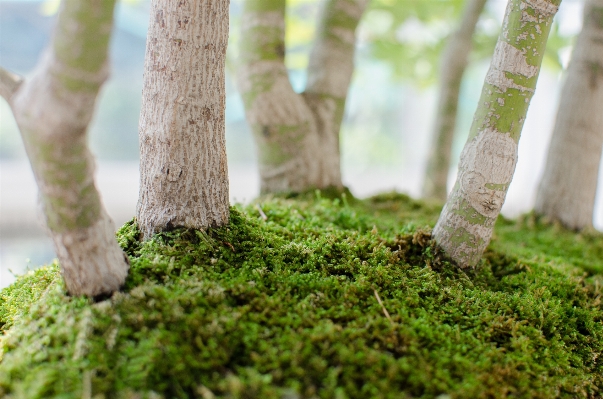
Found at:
[183, 169]
[297, 135]
[453, 65]
[489, 158]
[567, 190]
[53, 110]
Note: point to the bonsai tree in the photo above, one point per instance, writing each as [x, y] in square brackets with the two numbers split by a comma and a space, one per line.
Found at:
[567, 189]
[453, 64]
[297, 135]
[489, 157]
[53, 110]
[183, 170]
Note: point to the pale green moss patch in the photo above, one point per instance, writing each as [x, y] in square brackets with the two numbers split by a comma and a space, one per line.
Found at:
[287, 308]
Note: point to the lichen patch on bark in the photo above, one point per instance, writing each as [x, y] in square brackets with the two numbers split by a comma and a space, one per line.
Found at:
[508, 59]
[545, 7]
[487, 161]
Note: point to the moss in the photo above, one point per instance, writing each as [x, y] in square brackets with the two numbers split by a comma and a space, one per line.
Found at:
[28, 289]
[287, 308]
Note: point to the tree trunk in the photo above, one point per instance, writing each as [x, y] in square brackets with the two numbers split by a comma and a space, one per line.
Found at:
[568, 187]
[283, 126]
[53, 110]
[488, 160]
[297, 135]
[453, 64]
[183, 170]
[329, 75]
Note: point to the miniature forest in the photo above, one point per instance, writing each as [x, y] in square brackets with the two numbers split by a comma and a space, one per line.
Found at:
[318, 297]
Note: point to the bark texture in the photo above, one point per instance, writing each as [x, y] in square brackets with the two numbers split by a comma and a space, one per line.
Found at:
[488, 160]
[568, 187]
[183, 169]
[297, 135]
[53, 110]
[454, 62]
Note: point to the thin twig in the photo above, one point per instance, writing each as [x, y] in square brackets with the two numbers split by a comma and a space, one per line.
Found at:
[262, 214]
[385, 312]
[9, 83]
[229, 245]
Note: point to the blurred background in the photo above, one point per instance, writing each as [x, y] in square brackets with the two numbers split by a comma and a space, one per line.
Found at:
[386, 132]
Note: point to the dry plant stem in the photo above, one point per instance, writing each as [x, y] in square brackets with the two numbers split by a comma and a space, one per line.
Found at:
[488, 160]
[183, 169]
[385, 312]
[568, 187]
[53, 110]
[453, 64]
[261, 211]
[297, 135]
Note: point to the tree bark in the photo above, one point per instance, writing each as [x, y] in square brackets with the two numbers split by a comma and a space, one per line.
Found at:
[329, 76]
[283, 126]
[53, 110]
[297, 135]
[453, 64]
[488, 160]
[9, 84]
[568, 187]
[183, 169]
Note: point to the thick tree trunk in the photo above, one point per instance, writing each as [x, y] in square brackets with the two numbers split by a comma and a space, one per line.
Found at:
[284, 129]
[568, 187]
[183, 170]
[297, 135]
[488, 160]
[53, 110]
[453, 64]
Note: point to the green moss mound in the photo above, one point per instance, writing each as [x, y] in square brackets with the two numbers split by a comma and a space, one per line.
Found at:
[323, 299]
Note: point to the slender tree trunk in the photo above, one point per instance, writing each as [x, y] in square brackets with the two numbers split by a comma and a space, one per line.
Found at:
[454, 62]
[53, 110]
[568, 187]
[329, 75]
[297, 135]
[488, 160]
[183, 170]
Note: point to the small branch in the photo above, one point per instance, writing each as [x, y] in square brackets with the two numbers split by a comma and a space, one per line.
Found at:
[385, 312]
[9, 83]
[262, 214]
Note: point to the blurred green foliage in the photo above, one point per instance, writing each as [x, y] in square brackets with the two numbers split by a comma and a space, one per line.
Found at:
[411, 34]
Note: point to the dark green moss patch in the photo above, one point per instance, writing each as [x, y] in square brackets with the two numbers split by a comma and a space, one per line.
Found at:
[288, 307]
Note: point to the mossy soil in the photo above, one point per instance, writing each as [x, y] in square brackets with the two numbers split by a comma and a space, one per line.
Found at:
[321, 299]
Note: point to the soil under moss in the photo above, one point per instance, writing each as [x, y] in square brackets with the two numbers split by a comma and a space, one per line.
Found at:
[323, 299]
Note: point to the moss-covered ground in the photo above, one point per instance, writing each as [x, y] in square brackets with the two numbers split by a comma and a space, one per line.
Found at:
[322, 299]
